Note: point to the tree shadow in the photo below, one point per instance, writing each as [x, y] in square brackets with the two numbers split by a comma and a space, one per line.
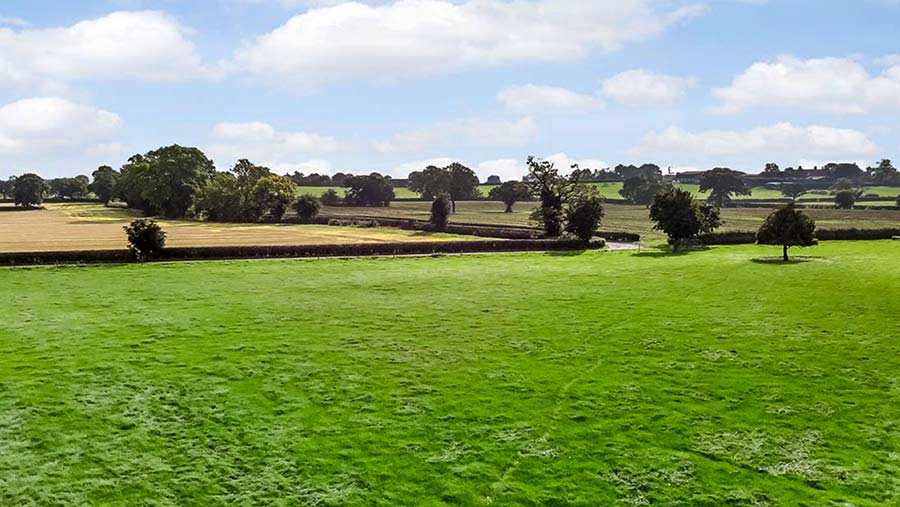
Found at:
[663, 251]
[565, 253]
[778, 261]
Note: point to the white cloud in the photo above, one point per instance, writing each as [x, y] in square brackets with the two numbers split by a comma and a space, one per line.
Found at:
[564, 162]
[13, 21]
[779, 141]
[404, 38]
[833, 85]
[263, 144]
[144, 44]
[535, 99]
[466, 132]
[38, 126]
[643, 87]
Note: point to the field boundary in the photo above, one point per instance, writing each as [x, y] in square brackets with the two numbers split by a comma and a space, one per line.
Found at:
[298, 251]
[749, 238]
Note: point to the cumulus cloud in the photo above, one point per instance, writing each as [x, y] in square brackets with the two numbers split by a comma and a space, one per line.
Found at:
[403, 38]
[535, 99]
[642, 87]
[779, 141]
[832, 85]
[38, 126]
[263, 144]
[144, 44]
[465, 132]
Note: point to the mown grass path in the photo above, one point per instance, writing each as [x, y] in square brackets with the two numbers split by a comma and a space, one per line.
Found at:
[534, 379]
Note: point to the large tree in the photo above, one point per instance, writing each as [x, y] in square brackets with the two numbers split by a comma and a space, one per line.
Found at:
[272, 195]
[7, 186]
[722, 183]
[373, 190]
[845, 199]
[681, 217]
[69, 188]
[430, 182]
[104, 184]
[510, 193]
[787, 227]
[456, 181]
[29, 190]
[884, 174]
[793, 190]
[642, 189]
[554, 191]
[165, 181]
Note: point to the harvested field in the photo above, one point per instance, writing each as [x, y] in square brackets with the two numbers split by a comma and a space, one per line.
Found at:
[63, 227]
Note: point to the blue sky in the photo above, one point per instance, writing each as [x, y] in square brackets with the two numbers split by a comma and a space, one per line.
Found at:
[390, 86]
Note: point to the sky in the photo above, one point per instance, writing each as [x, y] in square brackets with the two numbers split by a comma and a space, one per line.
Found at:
[395, 85]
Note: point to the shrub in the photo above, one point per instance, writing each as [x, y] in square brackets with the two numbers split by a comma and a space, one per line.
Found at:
[845, 199]
[583, 217]
[307, 207]
[331, 198]
[146, 239]
[440, 212]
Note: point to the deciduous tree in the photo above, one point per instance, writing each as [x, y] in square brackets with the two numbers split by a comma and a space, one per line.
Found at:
[787, 227]
[554, 192]
[29, 190]
[510, 193]
[370, 191]
[583, 216]
[722, 183]
[307, 207]
[145, 239]
[642, 189]
[440, 212]
[104, 184]
[681, 217]
[793, 190]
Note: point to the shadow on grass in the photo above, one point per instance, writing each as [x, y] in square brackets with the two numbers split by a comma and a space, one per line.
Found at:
[778, 261]
[663, 251]
[565, 253]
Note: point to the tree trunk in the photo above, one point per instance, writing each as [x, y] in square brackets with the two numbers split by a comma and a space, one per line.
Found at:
[453, 206]
[509, 208]
[786, 259]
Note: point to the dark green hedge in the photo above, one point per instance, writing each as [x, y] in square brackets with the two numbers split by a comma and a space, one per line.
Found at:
[299, 251]
[746, 238]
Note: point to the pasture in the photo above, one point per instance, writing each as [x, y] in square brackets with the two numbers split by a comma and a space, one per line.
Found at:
[611, 191]
[626, 218]
[63, 227]
[579, 380]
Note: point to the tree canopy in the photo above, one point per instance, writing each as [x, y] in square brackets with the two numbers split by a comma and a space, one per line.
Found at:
[509, 193]
[104, 183]
[721, 183]
[554, 191]
[456, 181]
[681, 217]
[787, 227]
[884, 174]
[29, 190]
[793, 190]
[373, 190]
[165, 181]
[584, 214]
[642, 189]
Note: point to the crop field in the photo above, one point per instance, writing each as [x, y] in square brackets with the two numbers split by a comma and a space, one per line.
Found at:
[624, 218]
[580, 380]
[92, 227]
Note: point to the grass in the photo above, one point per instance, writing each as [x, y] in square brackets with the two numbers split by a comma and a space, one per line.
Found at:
[93, 227]
[623, 218]
[611, 191]
[704, 379]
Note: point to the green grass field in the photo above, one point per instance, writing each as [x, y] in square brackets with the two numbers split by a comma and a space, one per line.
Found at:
[707, 379]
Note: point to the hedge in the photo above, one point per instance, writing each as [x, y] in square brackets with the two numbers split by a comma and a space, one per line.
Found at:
[746, 238]
[298, 251]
